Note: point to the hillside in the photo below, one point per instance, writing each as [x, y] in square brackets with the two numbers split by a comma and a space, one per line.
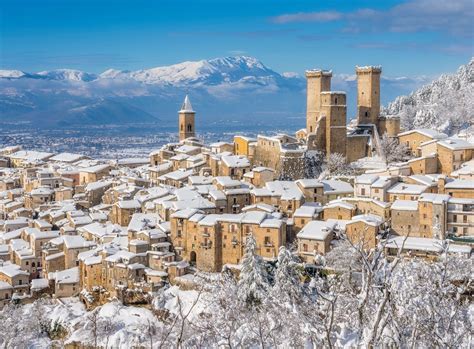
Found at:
[446, 104]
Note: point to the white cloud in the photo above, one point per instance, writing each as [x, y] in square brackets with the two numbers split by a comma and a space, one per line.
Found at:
[445, 16]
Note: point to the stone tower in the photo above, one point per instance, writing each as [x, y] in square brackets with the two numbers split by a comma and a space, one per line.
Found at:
[368, 94]
[333, 108]
[186, 120]
[317, 81]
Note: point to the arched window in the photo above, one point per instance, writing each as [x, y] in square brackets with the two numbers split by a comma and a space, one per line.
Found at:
[182, 127]
[190, 127]
[366, 113]
[335, 100]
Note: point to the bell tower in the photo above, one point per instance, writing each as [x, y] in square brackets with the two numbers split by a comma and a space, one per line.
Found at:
[186, 120]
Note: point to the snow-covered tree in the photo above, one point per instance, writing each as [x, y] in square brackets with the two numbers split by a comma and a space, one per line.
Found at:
[393, 151]
[287, 289]
[253, 282]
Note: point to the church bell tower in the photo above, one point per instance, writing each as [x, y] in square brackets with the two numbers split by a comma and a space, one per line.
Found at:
[186, 120]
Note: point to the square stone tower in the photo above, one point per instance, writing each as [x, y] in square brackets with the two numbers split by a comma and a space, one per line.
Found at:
[368, 94]
[333, 107]
[317, 81]
[186, 120]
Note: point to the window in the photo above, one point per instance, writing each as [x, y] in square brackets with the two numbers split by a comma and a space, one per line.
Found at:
[267, 240]
[190, 127]
[27, 263]
[305, 248]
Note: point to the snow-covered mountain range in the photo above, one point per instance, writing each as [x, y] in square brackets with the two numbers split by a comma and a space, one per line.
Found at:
[446, 104]
[226, 89]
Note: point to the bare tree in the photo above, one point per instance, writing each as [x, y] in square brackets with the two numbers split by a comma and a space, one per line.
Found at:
[393, 151]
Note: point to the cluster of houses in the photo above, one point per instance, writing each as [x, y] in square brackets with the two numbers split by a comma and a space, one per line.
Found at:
[75, 226]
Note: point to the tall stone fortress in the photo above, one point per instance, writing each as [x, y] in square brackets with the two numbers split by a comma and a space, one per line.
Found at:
[326, 115]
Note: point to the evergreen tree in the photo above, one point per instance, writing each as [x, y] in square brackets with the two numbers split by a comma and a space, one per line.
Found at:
[287, 289]
[253, 282]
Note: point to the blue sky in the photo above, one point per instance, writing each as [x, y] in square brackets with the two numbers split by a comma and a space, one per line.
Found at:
[414, 37]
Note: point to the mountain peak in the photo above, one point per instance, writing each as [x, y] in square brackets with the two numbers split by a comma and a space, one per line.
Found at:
[66, 74]
[11, 74]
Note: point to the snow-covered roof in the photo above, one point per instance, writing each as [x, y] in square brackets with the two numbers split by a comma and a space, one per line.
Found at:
[259, 207]
[405, 188]
[434, 198]
[425, 132]
[5, 286]
[369, 219]
[67, 157]
[307, 211]
[186, 107]
[337, 187]
[425, 244]
[405, 205]
[287, 190]
[316, 230]
[12, 270]
[339, 203]
[366, 179]
[95, 169]
[309, 183]
[68, 276]
[129, 204]
[30, 155]
[460, 184]
[39, 284]
[456, 144]
[237, 161]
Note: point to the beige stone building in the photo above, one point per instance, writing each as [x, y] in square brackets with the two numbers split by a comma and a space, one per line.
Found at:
[416, 139]
[452, 153]
[405, 218]
[363, 230]
[315, 238]
[211, 241]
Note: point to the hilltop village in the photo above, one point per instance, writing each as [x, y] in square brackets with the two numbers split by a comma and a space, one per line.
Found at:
[75, 226]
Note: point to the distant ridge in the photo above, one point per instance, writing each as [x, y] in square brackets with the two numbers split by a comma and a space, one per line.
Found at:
[227, 89]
